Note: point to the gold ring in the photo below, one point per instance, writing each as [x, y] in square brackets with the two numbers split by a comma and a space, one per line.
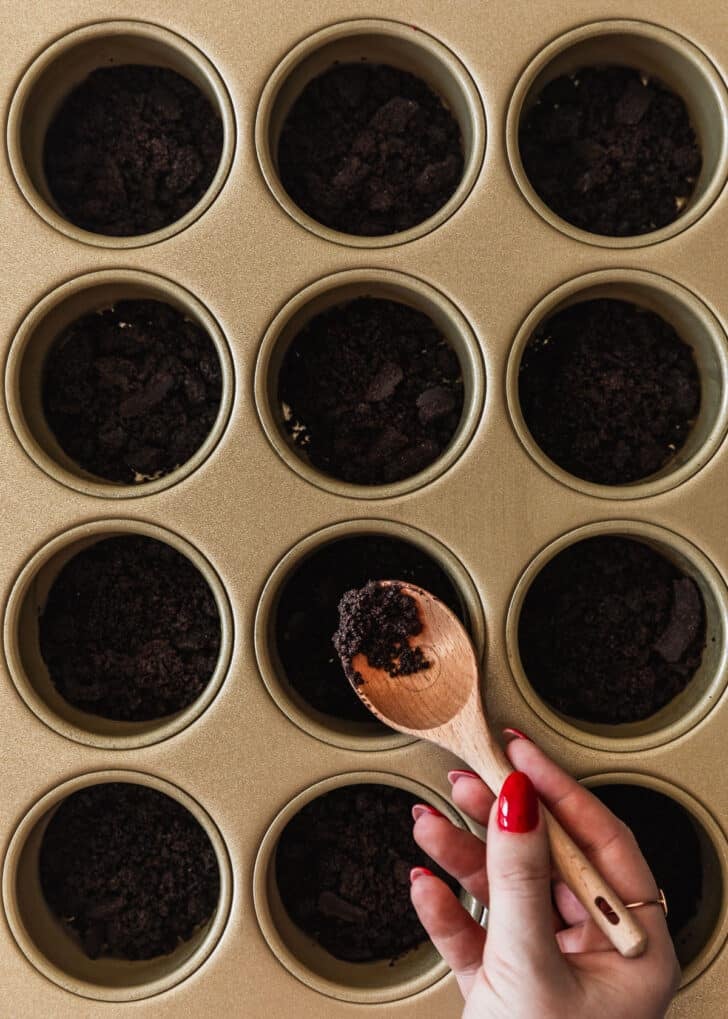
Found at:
[660, 901]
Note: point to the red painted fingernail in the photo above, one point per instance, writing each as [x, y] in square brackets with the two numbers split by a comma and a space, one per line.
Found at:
[420, 872]
[453, 776]
[423, 808]
[510, 731]
[517, 804]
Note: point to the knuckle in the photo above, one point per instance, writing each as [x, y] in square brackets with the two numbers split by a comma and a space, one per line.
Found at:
[626, 833]
[523, 877]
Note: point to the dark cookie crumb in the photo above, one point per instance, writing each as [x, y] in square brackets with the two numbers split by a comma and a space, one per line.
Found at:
[130, 630]
[669, 843]
[368, 149]
[307, 612]
[608, 390]
[342, 866]
[129, 870]
[133, 391]
[685, 622]
[611, 630]
[371, 391]
[611, 151]
[131, 150]
[377, 621]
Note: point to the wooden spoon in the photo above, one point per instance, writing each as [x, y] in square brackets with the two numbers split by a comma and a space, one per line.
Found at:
[442, 704]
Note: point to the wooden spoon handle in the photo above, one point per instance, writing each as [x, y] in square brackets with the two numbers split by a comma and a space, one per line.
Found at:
[599, 899]
[602, 903]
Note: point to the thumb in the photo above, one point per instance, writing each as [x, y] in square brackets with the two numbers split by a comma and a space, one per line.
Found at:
[520, 915]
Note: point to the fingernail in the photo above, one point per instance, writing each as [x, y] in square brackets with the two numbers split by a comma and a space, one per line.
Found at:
[517, 804]
[453, 776]
[510, 731]
[423, 808]
[419, 872]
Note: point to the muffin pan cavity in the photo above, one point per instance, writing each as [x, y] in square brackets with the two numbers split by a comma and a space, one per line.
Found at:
[54, 947]
[705, 673]
[186, 167]
[687, 853]
[687, 326]
[156, 688]
[449, 333]
[148, 426]
[672, 65]
[297, 616]
[424, 71]
[374, 981]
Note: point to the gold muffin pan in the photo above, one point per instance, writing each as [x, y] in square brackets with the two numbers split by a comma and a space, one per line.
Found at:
[250, 268]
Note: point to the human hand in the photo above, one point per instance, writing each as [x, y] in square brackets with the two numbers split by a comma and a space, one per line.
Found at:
[537, 961]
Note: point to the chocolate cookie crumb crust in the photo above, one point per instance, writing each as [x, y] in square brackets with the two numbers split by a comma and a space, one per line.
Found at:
[129, 870]
[377, 621]
[131, 150]
[342, 868]
[130, 630]
[609, 390]
[307, 613]
[250, 266]
[372, 392]
[611, 150]
[610, 630]
[370, 149]
[133, 391]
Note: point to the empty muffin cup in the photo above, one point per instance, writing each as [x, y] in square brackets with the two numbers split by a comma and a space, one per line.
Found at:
[699, 694]
[289, 338]
[54, 948]
[368, 43]
[366, 982]
[64, 66]
[654, 52]
[697, 328]
[30, 673]
[43, 340]
[297, 616]
[687, 851]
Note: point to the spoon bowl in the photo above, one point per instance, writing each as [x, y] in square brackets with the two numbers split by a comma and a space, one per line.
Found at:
[422, 702]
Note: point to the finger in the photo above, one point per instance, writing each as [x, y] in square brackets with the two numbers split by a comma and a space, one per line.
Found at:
[583, 937]
[452, 930]
[459, 852]
[608, 843]
[569, 907]
[462, 854]
[520, 919]
[472, 795]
